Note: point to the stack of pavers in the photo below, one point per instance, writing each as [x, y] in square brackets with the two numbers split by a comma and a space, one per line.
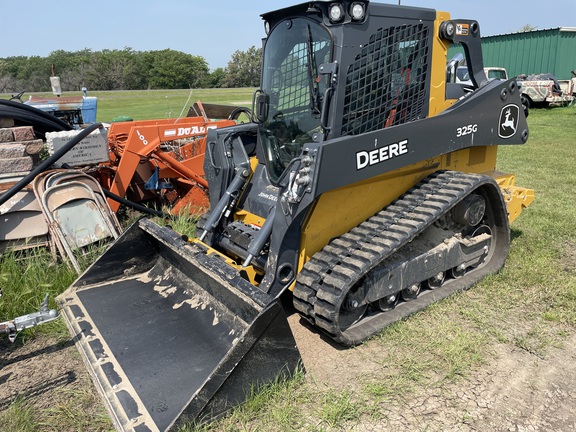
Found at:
[19, 148]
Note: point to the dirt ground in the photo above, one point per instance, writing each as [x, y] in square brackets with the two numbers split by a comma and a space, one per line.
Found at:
[517, 391]
[34, 370]
[50, 375]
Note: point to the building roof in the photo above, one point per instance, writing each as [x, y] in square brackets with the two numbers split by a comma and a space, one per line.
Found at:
[561, 29]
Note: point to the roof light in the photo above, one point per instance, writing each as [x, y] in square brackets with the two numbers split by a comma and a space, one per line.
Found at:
[336, 12]
[357, 11]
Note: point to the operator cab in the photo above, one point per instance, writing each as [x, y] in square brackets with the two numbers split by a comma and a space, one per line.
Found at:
[311, 48]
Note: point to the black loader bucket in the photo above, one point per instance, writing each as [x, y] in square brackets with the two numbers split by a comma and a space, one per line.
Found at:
[171, 334]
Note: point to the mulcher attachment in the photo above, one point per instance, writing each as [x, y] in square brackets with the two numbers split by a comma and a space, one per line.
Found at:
[171, 334]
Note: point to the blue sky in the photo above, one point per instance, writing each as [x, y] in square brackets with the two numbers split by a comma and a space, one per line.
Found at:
[214, 29]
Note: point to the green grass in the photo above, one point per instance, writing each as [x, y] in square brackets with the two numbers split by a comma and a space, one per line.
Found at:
[25, 278]
[274, 406]
[183, 224]
[18, 417]
[338, 408]
[71, 412]
[530, 305]
[157, 104]
[164, 103]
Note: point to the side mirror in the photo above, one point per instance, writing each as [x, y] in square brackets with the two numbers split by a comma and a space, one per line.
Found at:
[261, 103]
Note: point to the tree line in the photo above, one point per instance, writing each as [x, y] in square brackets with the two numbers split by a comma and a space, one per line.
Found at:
[127, 69]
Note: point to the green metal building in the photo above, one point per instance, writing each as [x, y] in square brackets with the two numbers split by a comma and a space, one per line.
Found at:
[540, 51]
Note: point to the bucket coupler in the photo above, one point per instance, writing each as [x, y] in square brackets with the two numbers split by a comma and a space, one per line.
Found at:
[171, 334]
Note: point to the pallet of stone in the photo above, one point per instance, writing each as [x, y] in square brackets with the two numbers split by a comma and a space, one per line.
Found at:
[19, 149]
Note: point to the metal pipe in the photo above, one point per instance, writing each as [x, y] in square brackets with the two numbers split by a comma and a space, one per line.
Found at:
[128, 203]
[183, 169]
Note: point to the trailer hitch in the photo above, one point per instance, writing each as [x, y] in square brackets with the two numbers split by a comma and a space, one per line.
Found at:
[23, 322]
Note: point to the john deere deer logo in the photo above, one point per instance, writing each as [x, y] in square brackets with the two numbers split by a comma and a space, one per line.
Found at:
[508, 121]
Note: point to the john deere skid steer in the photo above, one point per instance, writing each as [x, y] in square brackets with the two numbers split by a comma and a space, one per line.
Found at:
[364, 189]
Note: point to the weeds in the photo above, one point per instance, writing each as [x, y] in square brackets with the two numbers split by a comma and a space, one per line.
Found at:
[19, 417]
[70, 413]
[274, 406]
[337, 409]
[184, 223]
[26, 277]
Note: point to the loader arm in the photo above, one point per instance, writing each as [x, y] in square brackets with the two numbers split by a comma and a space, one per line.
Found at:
[368, 155]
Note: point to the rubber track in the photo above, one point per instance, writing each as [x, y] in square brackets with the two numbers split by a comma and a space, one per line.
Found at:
[325, 280]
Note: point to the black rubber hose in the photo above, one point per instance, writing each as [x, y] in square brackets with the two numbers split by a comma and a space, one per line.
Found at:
[40, 125]
[41, 122]
[48, 162]
[136, 206]
[32, 118]
[36, 112]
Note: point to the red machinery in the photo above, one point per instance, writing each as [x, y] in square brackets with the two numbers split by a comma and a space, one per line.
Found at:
[161, 159]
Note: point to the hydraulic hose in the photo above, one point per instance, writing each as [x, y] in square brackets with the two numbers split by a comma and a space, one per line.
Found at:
[129, 203]
[48, 162]
[25, 112]
[136, 206]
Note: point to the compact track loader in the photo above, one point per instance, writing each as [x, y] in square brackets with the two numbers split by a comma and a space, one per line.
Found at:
[364, 189]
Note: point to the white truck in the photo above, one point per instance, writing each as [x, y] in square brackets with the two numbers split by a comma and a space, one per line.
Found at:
[463, 76]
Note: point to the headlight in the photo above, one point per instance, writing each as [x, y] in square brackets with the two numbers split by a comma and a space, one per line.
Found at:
[336, 12]
[267, 27]
[357, 11]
